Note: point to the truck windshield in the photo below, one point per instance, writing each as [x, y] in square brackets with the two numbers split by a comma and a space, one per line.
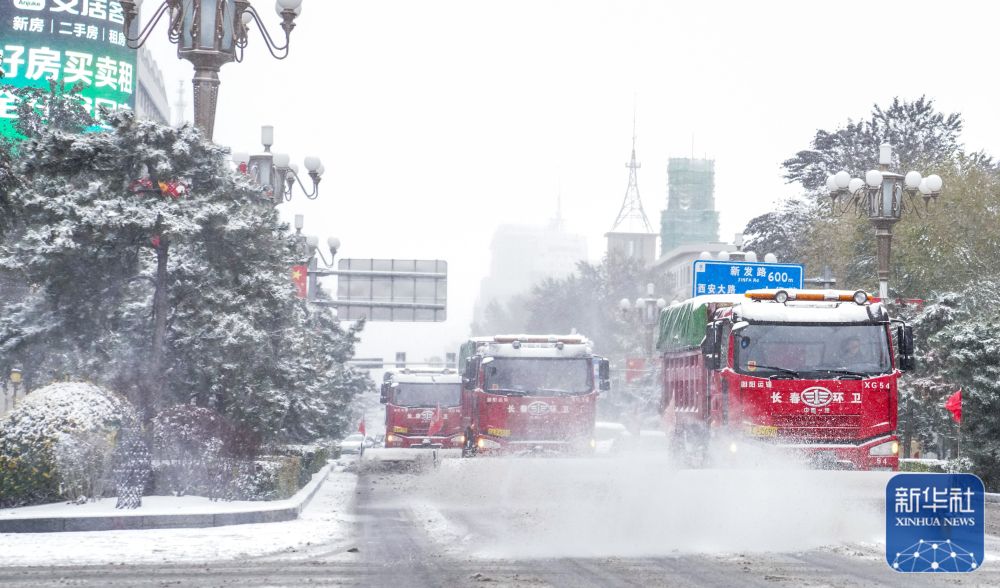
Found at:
[786, 351]
[533, 376]
[429, 394]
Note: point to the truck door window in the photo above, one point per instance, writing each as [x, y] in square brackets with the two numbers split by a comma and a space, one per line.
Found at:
[724, 347]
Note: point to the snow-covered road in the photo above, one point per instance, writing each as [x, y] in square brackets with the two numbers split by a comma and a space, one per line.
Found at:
[521, 522]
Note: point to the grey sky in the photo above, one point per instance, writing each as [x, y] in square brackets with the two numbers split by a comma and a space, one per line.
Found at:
[436, 121]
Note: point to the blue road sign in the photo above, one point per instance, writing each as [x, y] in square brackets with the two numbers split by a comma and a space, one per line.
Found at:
[737, 277]
[934, 522]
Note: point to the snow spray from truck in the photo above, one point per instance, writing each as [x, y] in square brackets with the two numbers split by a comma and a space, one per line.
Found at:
[812, 371]
[530, 393]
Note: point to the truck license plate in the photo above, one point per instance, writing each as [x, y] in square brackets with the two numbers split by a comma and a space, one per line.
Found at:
[763, 431]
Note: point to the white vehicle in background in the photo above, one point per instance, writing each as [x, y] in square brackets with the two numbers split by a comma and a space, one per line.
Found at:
[355, 443]
[610, 438]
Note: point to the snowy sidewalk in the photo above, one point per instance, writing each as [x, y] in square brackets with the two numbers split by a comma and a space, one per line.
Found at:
[157, 512]
[326, 519]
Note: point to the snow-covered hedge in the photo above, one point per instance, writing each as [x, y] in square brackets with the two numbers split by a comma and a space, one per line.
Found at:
[58, 444]
[312, 458]
[198, 451]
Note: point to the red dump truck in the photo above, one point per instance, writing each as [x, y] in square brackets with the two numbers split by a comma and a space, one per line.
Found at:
[423, 408]
[530, 393]
[815, 371]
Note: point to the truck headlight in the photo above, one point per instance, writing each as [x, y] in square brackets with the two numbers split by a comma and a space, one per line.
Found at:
[484, 443]
[390, 439]
[885, 449]
[458, 440]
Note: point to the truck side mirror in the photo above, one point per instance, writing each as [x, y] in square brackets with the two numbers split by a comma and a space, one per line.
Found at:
[384, 399]
[904, 336]
[471, 371]
[710, 347]
[604, 375]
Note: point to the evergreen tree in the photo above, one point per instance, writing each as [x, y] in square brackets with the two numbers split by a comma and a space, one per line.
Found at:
[919, 135]
[958, 348]
[158, 270]
[588, 302]
[780, 231]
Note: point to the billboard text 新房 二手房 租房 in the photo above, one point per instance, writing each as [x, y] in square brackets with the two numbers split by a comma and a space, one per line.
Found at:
[69, 40]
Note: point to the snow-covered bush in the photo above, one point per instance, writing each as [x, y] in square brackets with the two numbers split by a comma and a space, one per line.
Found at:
[312, 458]
[198, 451]
[57, 443]
[273, 478]
[959, 465]
[84, 461]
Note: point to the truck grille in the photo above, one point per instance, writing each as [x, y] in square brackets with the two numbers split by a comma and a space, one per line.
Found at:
[813, 421]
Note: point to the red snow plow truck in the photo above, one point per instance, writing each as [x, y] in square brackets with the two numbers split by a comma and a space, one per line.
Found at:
[815, 371]
[423, 408]
[530, 394]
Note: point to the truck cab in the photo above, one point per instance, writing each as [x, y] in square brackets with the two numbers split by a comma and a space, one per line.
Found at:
[531, 393]
[423, 408]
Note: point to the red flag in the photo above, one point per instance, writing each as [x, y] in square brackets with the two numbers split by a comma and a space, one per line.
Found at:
[954, 405]
[635, 367]
[361, 427]
[299, 279]
[437, 422]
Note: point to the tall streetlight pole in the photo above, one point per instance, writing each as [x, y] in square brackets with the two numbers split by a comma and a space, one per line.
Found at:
[209, 34]
[879, 197]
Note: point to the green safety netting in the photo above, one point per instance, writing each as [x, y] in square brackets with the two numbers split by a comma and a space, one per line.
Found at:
[682, 326]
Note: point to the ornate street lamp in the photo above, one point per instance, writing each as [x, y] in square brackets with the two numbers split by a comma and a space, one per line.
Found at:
[209, 34]
[880, 198]
[309, 251]
[274, 172]
[648, 310]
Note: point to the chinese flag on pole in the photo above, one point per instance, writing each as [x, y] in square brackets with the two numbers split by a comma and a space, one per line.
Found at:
[437, 422]
[299, 279]
[954, 405]
[361, 426]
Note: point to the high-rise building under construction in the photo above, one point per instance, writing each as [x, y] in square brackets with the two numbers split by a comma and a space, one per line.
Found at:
[690, 216]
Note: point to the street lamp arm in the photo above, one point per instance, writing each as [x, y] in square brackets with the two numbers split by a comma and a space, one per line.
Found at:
[286, 24]
[293, 177]
[131, 13]
[319, 252]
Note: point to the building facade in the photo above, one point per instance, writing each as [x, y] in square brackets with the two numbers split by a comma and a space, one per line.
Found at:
[151, 93]
[524, 255]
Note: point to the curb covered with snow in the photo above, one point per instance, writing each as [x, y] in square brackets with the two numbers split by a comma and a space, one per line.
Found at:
[267, 512]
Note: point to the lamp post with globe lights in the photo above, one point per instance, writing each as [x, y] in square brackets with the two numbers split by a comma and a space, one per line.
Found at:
[209, 34]
[274, 172]
[648, 312]
[881, 198]
[310, 252]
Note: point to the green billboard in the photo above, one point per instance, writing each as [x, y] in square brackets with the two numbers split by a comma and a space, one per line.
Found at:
[73, 40]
